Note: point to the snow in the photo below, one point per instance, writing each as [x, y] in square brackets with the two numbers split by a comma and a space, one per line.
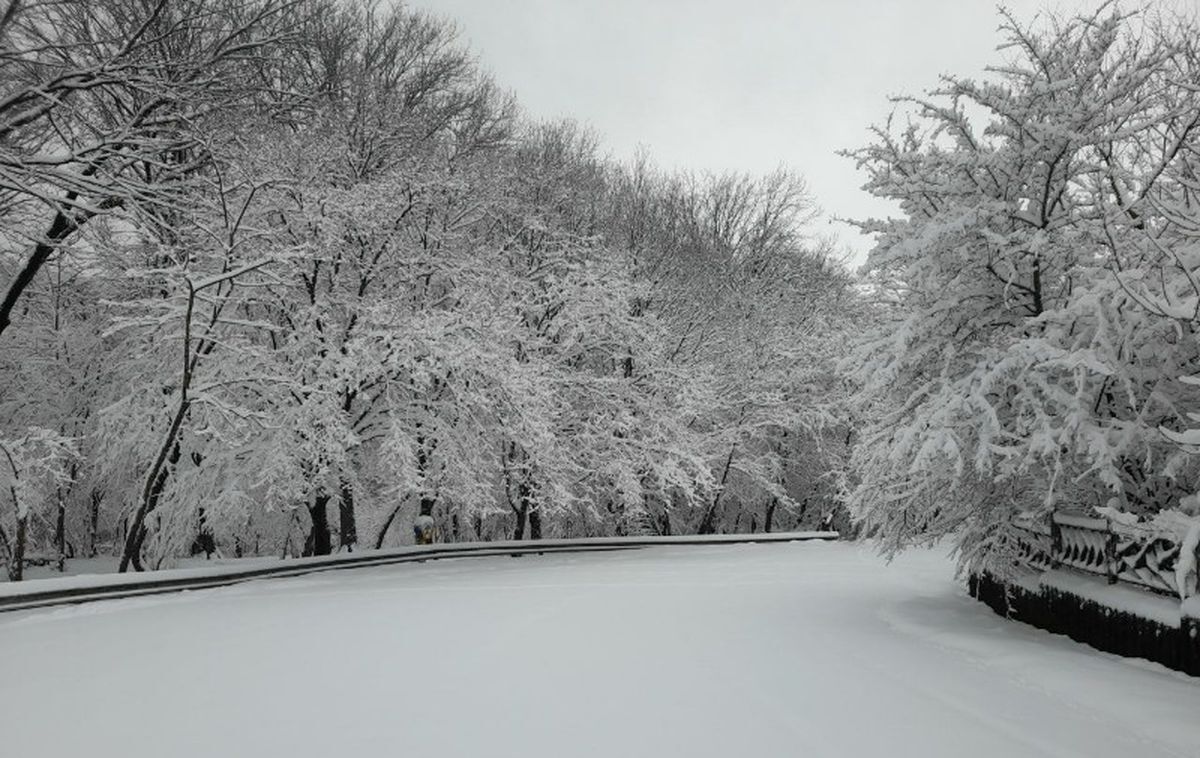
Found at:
[1191, 607]
[1186, 565]
[1081, 522]
[100, 573]
[744, 650]
[1165, 610]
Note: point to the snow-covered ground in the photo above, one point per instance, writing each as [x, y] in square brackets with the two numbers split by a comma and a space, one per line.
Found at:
[809, 649]
[102, 572]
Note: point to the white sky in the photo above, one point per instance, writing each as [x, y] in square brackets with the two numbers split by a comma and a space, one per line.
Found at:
[738, 84]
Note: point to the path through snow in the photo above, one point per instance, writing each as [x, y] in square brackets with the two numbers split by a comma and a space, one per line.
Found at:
[759, 650]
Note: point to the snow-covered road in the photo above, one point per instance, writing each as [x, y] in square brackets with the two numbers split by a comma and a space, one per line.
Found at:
[808, 649]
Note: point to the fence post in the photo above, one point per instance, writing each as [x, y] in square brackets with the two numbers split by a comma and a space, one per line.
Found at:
[1110, 552]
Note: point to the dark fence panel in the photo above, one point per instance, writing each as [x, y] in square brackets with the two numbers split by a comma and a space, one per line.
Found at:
[1129, 554]
[1092, 623]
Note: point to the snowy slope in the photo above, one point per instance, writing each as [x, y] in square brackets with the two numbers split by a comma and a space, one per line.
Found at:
[814, 649]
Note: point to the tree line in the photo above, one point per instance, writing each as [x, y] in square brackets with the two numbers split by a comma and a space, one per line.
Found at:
[285, 277]
[280, 277]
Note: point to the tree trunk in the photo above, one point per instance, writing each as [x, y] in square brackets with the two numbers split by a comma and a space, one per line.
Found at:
[347, 526]
[387, 524]
[94, 522]
[427, 504]
[320, 541]
[519, 530]
[428, 499]
[61, 227]
[156, 482]
[525, 509]
[60, 534]
[770, 519]
[4, 543]
[708, 523]
[204, 542]
[16, 565]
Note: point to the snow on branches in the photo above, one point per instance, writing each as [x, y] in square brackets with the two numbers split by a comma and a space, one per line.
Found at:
[301, 307]
[1042, 265]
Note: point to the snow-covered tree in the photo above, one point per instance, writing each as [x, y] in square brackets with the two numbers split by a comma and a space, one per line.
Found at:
[101, 107]
[752, 307]
[31, 470]
[1016, 368]
[334, 283]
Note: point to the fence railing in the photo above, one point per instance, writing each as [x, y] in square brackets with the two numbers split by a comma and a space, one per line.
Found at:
[1126, 553]
[40, 593]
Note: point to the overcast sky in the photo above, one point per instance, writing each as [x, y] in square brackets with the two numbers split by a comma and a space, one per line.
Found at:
[737, 84]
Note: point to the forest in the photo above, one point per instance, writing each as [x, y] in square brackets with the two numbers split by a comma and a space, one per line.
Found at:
[289, 277]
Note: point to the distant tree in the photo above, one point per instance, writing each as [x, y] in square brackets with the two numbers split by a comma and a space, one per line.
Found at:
[31, 467]
[752, 309]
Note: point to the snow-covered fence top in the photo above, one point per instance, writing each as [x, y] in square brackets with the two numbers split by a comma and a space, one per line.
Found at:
[81, 589]
[1161, 557]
